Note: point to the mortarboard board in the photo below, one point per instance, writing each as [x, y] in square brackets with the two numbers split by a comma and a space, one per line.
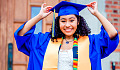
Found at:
[65, 8]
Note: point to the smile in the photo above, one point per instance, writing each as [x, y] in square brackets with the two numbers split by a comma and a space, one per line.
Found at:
[68, 30]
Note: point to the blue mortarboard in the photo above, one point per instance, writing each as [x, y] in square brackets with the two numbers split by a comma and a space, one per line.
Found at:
[65, 8]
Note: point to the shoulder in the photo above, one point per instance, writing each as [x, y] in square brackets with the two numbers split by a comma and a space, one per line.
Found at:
[83, 39]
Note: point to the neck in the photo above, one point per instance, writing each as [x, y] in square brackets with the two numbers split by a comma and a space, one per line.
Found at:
[69, 37]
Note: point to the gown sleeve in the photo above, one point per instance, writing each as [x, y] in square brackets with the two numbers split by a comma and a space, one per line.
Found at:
[23, 41]
[103, 44]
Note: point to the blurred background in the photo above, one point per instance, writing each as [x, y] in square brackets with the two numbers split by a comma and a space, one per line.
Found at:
[14, 13]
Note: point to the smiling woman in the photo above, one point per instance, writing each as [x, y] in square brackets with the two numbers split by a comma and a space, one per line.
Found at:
[74, 48]
[79, 26]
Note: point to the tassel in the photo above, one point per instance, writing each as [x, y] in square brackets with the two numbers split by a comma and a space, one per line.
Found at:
[53, 25]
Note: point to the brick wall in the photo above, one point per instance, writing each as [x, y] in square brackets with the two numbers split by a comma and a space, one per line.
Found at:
[112, 9]
[117, 65]
[113, 15]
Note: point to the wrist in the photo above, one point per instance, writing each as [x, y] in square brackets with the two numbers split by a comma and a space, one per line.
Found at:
[96, 13]
[40, 16]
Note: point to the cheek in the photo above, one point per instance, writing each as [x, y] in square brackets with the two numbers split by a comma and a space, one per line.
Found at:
[61, 25]
[75, 25]
[61, 28]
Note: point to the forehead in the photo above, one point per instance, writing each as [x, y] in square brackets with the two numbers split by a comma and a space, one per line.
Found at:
[68, 16]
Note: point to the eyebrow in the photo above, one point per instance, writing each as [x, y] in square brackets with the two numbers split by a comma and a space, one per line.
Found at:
[62, 18]
[72, 17]
[69, 18]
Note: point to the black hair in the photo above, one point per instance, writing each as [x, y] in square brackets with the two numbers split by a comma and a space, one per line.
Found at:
[82, 28]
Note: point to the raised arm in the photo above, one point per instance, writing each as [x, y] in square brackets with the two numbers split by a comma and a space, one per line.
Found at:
[43, 13]
[93, 8]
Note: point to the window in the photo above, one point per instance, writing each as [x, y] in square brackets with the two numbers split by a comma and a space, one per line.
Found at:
[35, 11]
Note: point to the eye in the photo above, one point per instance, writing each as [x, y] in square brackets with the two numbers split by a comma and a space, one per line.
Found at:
[62, 21]
[71, 20]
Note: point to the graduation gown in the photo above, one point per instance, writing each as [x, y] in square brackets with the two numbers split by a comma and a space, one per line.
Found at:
[35, 45]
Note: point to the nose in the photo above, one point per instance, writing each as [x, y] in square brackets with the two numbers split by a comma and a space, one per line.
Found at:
[67, 24]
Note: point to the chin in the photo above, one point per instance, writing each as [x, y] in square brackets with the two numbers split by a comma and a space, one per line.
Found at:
[68, 34]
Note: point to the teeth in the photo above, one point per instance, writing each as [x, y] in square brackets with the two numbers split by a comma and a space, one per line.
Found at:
[68, 29]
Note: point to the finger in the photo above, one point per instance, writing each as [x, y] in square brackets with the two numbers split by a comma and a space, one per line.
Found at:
[89, 5]
[42, 6]
[50, 12]
[93, 5]
[93, 2]
[89, 9]
[48, 8]
[96, 4]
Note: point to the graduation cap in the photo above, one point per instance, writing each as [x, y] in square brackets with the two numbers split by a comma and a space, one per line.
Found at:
[65, 8]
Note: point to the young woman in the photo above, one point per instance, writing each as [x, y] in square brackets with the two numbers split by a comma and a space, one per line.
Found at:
[69, 46]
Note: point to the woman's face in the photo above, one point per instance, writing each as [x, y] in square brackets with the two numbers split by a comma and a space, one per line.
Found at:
[68, 24]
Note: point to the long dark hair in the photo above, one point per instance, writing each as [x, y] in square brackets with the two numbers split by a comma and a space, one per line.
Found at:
[82, 28]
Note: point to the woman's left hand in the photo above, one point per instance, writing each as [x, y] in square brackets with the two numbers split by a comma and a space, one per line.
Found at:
[93, 8]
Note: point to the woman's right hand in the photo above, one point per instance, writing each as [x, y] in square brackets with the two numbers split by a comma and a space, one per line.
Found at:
[45, 11]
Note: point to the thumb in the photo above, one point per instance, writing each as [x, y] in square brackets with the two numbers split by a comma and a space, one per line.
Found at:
[43, 5]
[89, 9]
[50, 12]
[47, 14]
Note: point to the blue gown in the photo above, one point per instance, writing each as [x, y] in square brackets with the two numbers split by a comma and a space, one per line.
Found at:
[34, 45]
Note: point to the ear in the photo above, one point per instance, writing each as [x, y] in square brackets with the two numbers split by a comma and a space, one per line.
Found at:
[78, 21]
